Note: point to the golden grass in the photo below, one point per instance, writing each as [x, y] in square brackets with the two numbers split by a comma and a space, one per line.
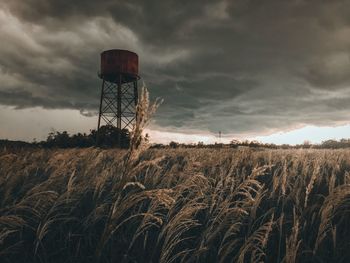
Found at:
[176, 205]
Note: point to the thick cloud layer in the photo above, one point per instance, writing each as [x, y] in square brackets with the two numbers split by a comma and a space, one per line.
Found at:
[235, 66]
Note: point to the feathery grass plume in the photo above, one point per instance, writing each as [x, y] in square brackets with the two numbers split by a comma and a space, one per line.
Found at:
[283, 181]
[232, 240]
[259, 171]
[34, 206]
[256, 243]
[292, 241]
[10, 227]
[244, 202]
[347, 177]
[182, 220]
[247, 190]
[311, 183]
[332, 182]
[124, 210]
[258, 200]
[280, 225]
[176, 233]
[59, 215]
[334, 206]
[151, 172]
[144, 112]
[154, 218]
[10, 223]
[224, 220]
[71, 181]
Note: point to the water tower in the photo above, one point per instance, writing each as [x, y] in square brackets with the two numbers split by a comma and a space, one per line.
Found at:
[119, 95]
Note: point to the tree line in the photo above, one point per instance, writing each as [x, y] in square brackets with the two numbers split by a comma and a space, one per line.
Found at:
[108, 138]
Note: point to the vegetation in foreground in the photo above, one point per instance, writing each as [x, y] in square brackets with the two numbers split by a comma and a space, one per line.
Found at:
[175, 205]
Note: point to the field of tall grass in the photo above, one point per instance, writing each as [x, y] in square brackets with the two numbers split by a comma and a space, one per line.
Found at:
[175, 205]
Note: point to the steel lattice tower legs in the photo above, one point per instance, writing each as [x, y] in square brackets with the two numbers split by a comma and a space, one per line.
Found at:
[117, 105]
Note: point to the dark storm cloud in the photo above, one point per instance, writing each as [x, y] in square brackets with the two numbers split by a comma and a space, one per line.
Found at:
[236, 66]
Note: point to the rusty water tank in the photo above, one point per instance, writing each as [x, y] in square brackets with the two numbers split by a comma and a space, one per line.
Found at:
[119, 65]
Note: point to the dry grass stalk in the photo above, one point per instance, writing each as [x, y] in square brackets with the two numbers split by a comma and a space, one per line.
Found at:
[334, 205]
[311, 183]
[144, 112]
[256, 243]
[293, 242]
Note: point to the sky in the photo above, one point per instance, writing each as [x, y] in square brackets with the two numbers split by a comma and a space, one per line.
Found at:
[273, 70]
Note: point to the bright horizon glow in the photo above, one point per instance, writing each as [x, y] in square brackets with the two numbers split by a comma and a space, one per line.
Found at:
[311, 133]
[30, 123]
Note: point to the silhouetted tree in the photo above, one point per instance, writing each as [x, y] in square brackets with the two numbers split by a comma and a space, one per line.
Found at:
[108, 137]
[173, 144]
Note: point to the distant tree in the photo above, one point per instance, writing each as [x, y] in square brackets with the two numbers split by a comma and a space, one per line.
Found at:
[157, 146]
[58, 139]
[173, 144]
[218, 145]
[285, 146]
[234, 143]
[108, 137]
[254, 144]
[245, 143]
[329, 144]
